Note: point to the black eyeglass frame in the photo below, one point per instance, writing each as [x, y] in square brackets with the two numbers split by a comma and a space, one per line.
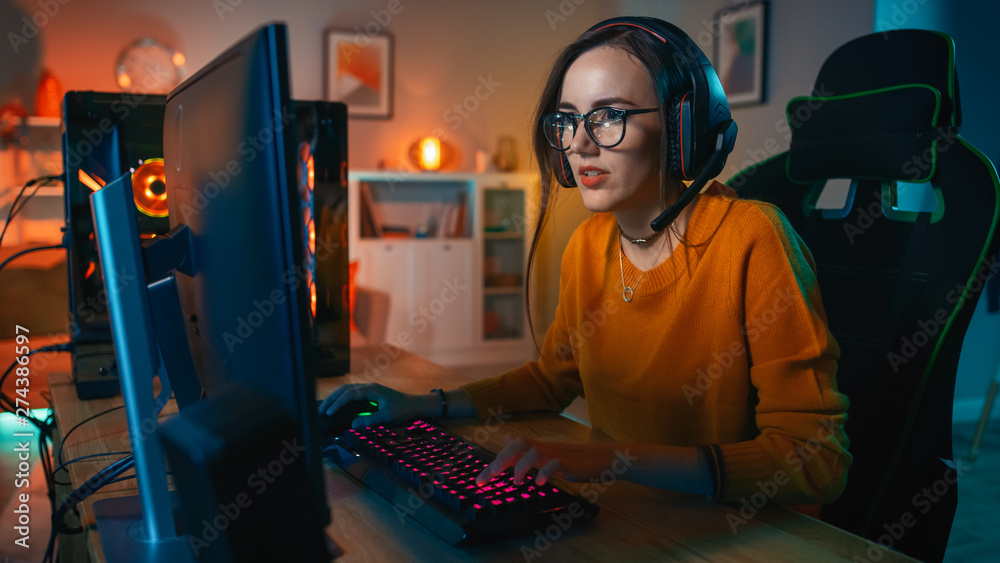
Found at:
[575, 117]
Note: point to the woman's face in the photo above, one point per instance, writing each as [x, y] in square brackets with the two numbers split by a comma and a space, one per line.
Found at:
[626, 177]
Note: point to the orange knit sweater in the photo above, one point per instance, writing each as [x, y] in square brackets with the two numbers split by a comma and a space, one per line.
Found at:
[724, 343]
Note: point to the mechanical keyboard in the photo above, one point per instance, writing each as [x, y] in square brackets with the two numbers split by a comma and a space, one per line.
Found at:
[429, 475]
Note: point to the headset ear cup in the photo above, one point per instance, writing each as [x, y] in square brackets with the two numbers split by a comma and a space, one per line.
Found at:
[680, 137]
[564, 173]
[673, 138]
[687, 136]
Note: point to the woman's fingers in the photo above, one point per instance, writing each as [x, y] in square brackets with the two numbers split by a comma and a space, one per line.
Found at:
[548, 470]
[347, 393]
[507, 457]
[522, 455]
[326, 407]
[524, 464]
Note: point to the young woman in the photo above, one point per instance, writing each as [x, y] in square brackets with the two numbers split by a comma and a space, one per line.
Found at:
[702, 350]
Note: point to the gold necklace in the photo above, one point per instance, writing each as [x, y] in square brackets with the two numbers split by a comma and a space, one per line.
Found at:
[629, 291]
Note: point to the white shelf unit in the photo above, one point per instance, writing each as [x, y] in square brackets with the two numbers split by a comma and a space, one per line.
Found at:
[450, 249]
[43, 217]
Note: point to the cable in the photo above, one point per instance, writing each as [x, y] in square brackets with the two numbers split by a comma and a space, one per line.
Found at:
[28, 251]
[15, 210]
[41, 181]
[79, 424]
[9, 404]
[10, 214]
[58, 526]
[45, 427]
[64, 466]
[7, 401]
[101, 479]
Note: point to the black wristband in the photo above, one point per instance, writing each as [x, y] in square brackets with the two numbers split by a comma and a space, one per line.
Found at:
[444, 402]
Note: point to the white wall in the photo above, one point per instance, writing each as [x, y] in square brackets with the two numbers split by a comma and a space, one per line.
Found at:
[443, 51]
[443, 48]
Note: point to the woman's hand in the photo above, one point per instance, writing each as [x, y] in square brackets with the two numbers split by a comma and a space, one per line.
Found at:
[393, 406]
[575, 462]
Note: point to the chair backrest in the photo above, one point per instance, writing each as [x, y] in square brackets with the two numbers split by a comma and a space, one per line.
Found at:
[899, 288]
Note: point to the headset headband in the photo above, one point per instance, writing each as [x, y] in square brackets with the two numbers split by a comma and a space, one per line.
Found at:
[702, 130]
[606, 25]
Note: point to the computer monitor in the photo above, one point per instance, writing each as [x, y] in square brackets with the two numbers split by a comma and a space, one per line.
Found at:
[229, 140]
[240, 278]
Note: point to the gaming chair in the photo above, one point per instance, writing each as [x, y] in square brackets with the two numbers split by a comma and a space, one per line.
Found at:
[899, 287]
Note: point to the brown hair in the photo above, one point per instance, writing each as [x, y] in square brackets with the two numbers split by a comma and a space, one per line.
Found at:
[668, 80]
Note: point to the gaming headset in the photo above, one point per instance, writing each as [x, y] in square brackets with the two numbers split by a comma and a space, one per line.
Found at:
[701, 130]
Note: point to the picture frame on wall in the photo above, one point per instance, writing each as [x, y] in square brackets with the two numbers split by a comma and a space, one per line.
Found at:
[359, 72]
[741, 52]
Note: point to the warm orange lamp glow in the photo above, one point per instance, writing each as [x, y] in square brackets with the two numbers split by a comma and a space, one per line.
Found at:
[432, 154]
[429, 156]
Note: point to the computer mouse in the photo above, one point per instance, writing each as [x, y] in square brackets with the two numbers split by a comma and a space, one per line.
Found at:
[339, 422]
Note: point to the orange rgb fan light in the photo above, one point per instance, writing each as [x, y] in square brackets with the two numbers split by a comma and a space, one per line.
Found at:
[149, 188]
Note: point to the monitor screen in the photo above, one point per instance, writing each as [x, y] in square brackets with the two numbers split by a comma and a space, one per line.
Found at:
[229, 139]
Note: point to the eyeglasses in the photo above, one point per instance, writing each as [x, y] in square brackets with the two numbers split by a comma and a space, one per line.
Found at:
[606, 126]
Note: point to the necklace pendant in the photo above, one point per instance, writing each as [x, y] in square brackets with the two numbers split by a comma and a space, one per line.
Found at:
[627, 294]
[638, 240]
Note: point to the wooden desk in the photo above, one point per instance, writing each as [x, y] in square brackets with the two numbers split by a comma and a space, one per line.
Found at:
[635, 523]
[105, 434]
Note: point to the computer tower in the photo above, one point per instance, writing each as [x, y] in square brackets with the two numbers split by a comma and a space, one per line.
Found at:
[108, 134]
[322, 178]
[105, 135]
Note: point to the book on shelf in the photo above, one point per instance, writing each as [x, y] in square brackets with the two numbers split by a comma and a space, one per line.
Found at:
[460, 219]
[395, 231]
[371, 214]
[452, 223]
[399, 219]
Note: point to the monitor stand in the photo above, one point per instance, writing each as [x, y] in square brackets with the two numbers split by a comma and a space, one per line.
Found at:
[139, 528]
[124, 536]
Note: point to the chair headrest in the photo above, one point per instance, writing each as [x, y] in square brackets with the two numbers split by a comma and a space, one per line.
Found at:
[891, 58]
[883, 104]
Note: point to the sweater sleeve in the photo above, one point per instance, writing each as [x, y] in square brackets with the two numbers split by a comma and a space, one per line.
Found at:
[549, 383]
[800, 453]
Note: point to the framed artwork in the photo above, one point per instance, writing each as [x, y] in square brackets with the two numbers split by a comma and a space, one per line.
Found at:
[740, 52]
[359, 72]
